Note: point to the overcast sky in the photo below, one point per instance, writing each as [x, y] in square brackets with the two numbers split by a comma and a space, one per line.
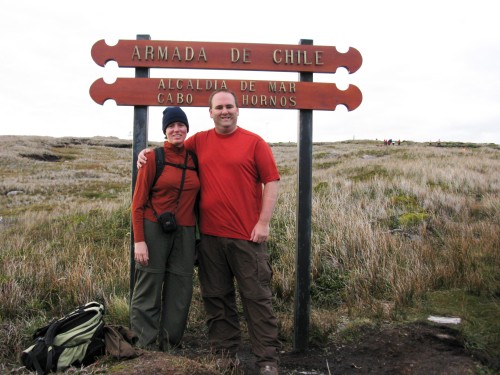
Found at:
[431, 68]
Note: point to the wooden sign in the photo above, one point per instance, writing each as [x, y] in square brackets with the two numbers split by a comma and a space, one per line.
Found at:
[189, 92]
[304, 95]
[228, 56]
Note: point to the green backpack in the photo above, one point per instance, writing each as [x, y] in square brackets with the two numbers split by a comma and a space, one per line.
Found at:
[77, 339]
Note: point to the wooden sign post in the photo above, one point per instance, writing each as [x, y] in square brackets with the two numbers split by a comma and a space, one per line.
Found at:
[303, 95]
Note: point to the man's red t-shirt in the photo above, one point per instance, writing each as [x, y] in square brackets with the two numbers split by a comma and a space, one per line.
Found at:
[232, 170]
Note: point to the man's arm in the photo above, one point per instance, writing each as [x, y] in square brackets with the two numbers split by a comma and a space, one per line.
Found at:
[141, 158]
[260, 232]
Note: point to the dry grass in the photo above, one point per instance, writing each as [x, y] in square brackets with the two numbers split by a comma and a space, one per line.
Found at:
[389, 225]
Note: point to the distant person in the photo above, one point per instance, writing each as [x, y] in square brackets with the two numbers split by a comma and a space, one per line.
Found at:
[239, 188]
[164, 260]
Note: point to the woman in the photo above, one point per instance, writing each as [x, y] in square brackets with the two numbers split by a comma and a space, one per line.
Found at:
[164, 261]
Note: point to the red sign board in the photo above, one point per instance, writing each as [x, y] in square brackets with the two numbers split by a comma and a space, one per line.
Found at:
[228, 56]
[191, 92]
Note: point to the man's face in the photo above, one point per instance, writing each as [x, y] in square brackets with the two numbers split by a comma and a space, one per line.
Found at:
[224, 113]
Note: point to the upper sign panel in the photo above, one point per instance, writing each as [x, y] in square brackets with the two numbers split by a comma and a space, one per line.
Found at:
[226, 56]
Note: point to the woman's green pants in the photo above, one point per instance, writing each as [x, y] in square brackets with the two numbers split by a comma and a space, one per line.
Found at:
[163, 289]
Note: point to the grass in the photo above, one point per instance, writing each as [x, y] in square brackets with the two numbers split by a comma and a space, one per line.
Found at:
[398, 232]
[478, 313]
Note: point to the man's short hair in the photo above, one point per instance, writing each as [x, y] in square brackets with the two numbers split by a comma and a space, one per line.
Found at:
[222, 90]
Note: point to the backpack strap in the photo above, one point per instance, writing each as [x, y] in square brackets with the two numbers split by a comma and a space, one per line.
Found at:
[34, 360]
[160, 163]
[194, 157]
[49, 342]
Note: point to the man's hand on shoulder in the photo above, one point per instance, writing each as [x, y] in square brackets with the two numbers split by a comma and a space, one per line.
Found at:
[141, 158]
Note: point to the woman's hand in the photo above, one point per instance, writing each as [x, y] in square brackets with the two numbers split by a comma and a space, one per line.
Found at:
[141, 254]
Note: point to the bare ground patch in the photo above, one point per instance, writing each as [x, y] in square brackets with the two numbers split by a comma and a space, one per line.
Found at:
[417, 349]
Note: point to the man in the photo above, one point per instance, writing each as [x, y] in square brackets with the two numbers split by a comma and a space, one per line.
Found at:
[239, 188]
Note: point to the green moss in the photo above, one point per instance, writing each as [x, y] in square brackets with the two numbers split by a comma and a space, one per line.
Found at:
[368, 173]
[285, 170]
[325, 165]
[406, 211]
[321, 188]
[412, 218]
[321, 155]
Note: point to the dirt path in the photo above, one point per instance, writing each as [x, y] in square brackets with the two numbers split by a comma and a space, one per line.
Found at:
[412, 349]
[416, 349]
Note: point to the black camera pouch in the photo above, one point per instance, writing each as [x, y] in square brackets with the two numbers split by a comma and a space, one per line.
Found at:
[167, 222]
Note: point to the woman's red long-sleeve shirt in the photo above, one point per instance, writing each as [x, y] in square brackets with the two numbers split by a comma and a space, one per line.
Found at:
[164, 193]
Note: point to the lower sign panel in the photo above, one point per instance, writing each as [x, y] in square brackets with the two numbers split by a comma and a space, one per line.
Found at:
[192, 92]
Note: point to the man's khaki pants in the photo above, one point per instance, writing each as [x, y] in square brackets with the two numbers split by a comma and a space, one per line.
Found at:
[221, 261]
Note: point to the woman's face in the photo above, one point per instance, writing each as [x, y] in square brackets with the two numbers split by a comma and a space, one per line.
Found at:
[176, 133]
